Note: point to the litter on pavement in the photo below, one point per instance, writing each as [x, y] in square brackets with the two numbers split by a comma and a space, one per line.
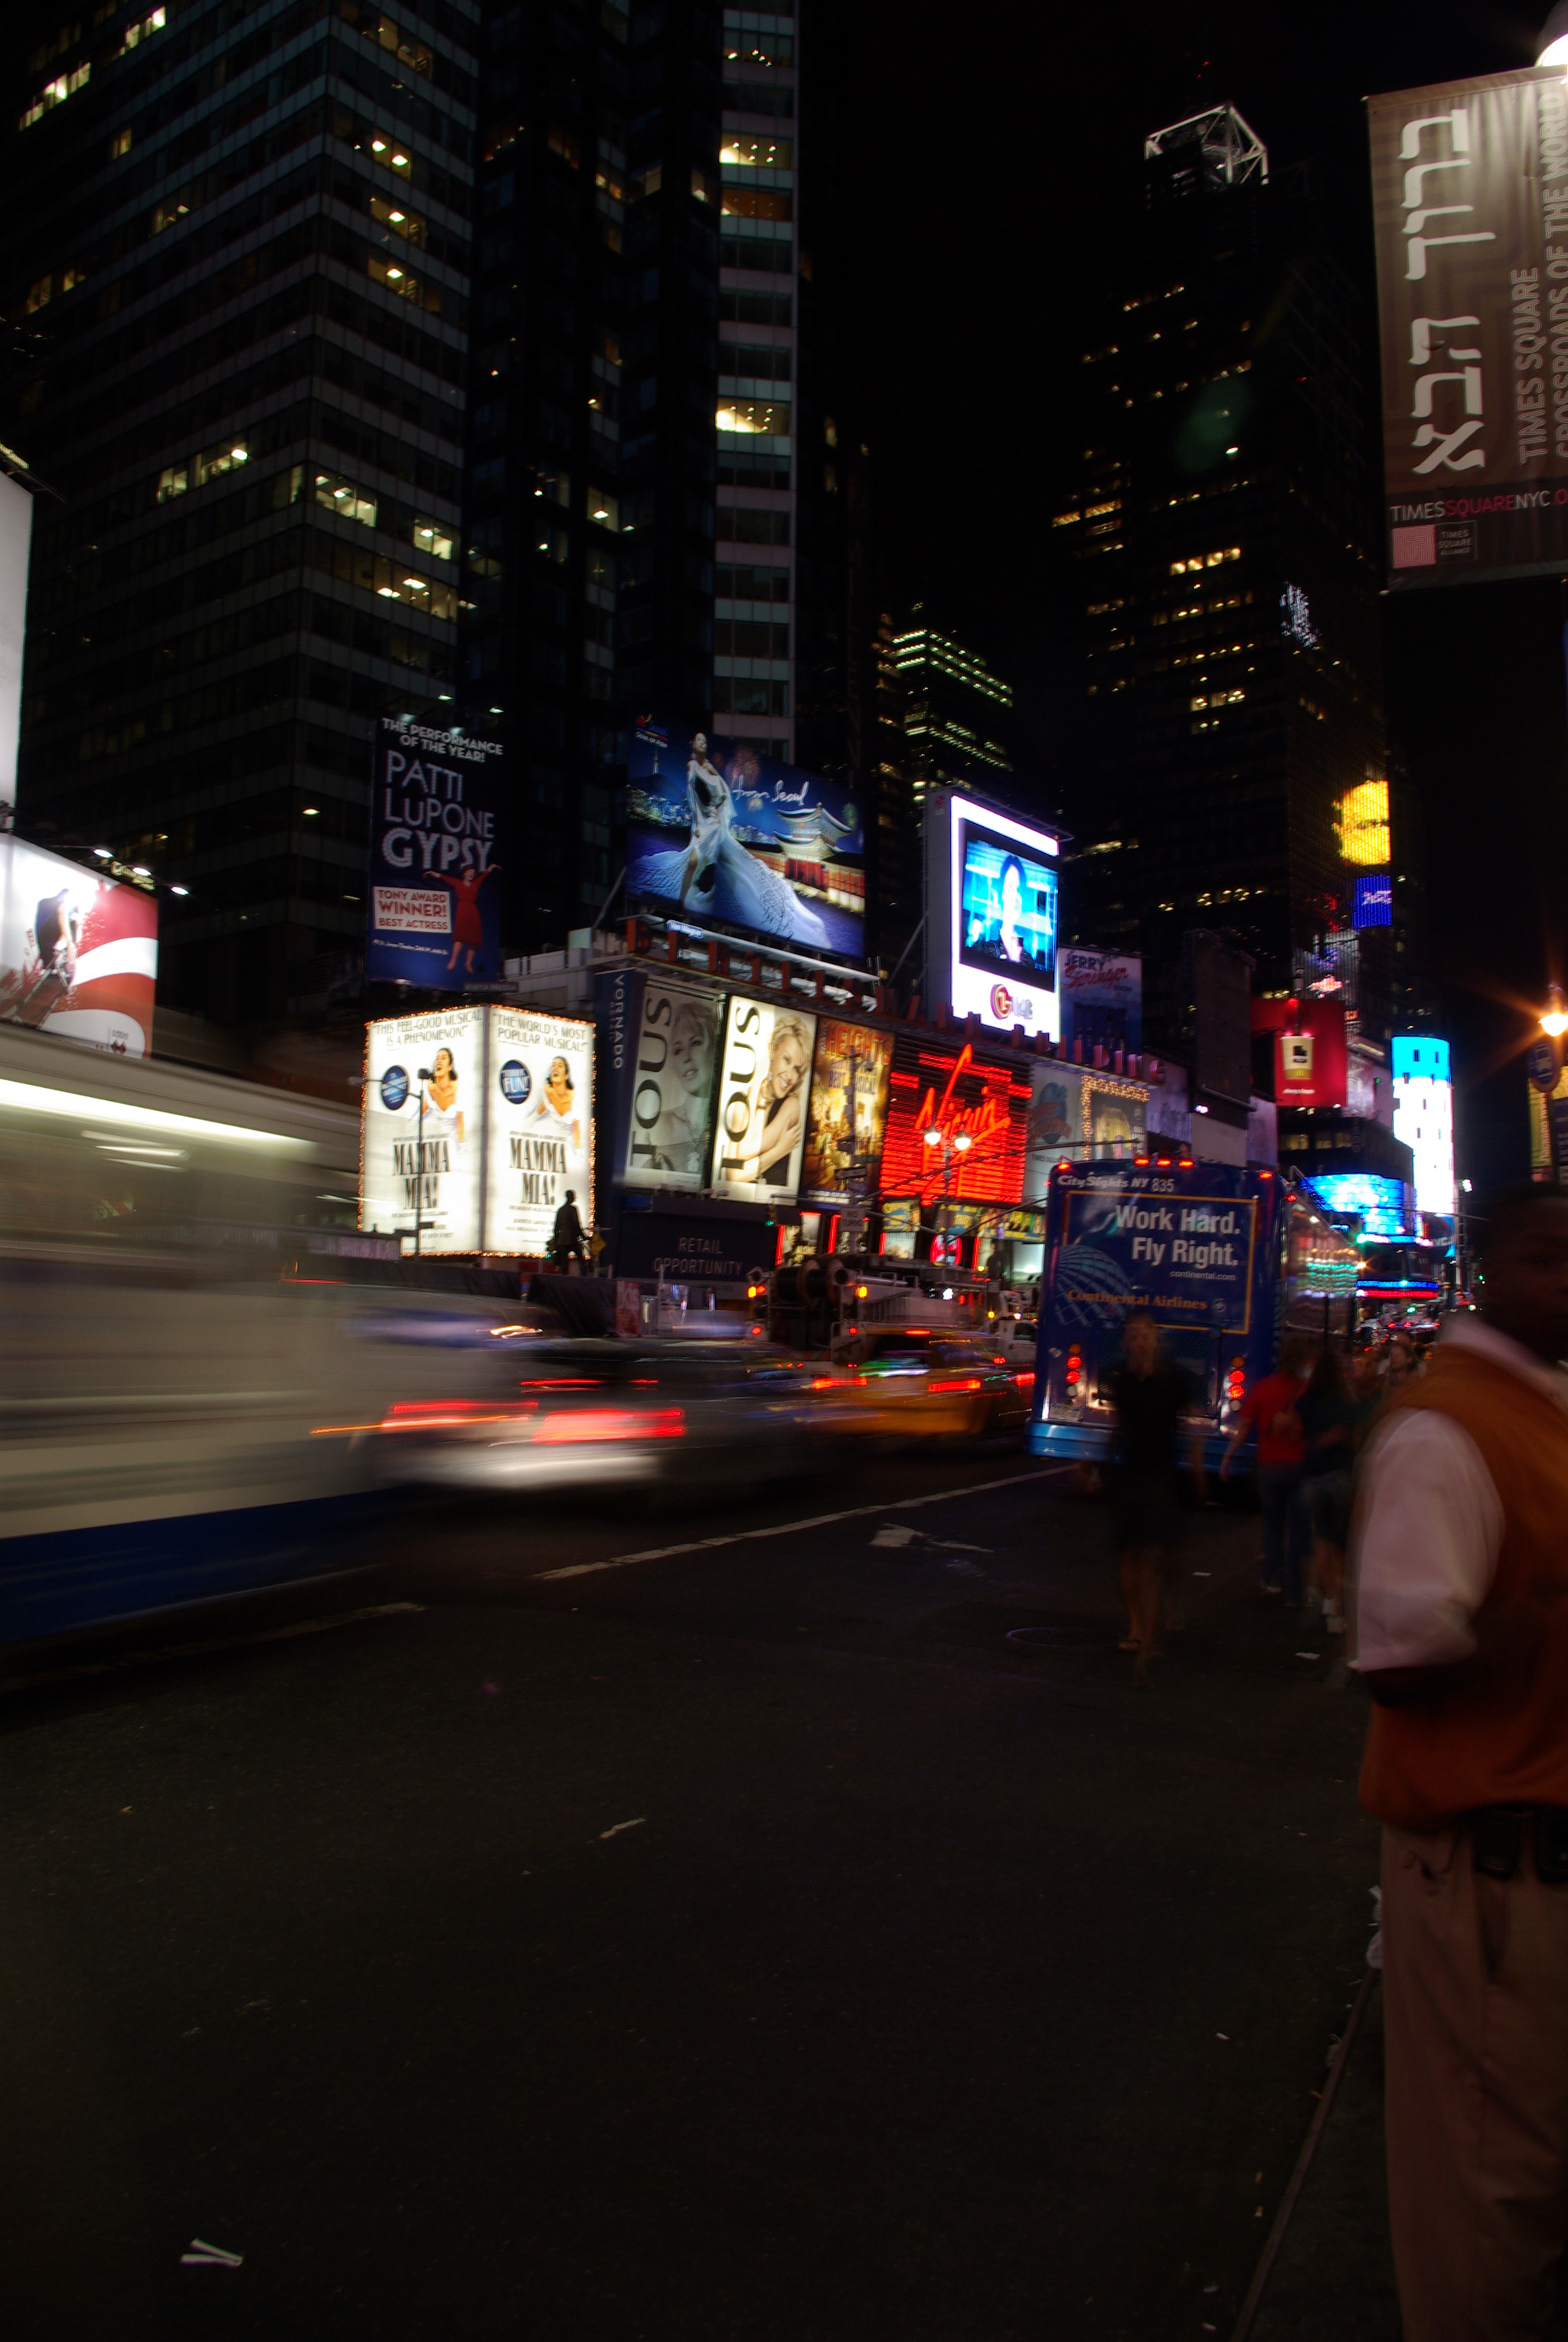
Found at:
[619, 1826]
[204, 2256]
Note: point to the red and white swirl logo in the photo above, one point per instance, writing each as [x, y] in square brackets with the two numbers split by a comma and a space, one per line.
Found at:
[1001, 1004]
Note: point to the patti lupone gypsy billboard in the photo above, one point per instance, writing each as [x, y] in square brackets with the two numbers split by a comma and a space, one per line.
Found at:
[716, 830]
[434, 890]
[1470, 194]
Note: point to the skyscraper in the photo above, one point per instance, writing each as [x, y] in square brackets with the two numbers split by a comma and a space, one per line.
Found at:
[956, 714]
[1218, 535]
[657, 487]
[240, 248]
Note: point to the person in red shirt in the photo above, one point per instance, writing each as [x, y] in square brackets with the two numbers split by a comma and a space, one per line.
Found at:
[1271, 1406]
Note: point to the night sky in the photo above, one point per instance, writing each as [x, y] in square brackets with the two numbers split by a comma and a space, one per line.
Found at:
[974, 148]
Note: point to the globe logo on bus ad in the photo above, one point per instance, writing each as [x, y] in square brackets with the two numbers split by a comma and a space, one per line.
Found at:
[515, 1082]
[394, 1088]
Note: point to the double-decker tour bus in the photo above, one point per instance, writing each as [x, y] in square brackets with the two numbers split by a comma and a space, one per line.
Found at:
[1225, 1260]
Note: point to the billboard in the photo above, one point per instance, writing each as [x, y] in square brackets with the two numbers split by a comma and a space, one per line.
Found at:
[944, 1089]
[674, 1057]
[1423, 1118]
[1373, 902]
[474, 1124]
[1311, 1064]
[848, 1057]
[16, 544]
[1470, 192]
[1102, 999]
[991, 915]
[538, 1126]
[78, 953]
[1076, 1111]
[759, 1139]
[434, 892]
[1187, 1258]
[421, 1129]
[1381, 1203]
[716, 830]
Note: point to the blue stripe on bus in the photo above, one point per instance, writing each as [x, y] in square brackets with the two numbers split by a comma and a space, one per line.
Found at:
[69, 1579]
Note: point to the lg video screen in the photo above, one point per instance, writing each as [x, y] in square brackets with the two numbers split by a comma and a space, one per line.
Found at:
[1007, 909]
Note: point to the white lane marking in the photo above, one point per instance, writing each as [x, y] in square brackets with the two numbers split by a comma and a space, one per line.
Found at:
[792, 1528]
[619, 1826]
[210, 2256]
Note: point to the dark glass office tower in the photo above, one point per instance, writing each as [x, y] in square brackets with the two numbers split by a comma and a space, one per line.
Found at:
[240, 240]
[1218, 535]
[589, 540]
[661, 476]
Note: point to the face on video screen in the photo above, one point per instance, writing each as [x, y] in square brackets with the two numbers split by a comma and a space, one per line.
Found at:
[1007, 908]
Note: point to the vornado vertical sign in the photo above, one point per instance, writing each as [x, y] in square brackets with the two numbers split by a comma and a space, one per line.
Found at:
[1470, 186]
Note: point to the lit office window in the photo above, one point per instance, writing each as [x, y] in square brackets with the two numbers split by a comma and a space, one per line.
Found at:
[756, 152]
[755, 417]
[390, 213]
[341, 497]
[218, 460]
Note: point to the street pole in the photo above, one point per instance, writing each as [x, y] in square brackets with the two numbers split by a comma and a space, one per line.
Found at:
[419, 1163]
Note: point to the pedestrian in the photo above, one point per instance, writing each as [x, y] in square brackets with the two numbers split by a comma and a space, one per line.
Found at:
[1461, 1550]
[1326, 1414]
[1154, 1400]
[1270, 1408]
[568, 1242]
[1403, 1362]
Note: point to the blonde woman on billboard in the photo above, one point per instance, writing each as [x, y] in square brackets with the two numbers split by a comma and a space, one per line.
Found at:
[714, 871]
[440, 1115]
[781, 1102]
[557, 1107]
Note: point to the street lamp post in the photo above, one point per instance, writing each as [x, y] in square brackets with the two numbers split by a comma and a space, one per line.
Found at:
[420, 1222]
[952, 1143]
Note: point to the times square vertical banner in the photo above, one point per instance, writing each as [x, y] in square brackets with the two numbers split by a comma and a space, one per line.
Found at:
[434, 878]
[1470, 194]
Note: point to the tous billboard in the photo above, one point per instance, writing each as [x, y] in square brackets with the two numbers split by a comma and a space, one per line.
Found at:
[759, 1125]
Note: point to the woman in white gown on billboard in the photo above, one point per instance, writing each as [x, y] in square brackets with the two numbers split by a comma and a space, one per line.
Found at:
[556, 1110]
[716, 866]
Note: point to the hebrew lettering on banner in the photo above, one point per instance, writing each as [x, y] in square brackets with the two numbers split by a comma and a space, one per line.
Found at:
[1470, 190]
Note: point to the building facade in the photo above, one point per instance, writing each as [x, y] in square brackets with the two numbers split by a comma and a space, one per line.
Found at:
[660, 475]
[1216, 533]
[239, 263]
[955, 714]
[479, 367]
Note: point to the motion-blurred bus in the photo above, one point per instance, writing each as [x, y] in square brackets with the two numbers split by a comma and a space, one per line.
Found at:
[188, 1339]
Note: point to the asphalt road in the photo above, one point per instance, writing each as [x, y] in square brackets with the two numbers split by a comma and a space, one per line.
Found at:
[745, 1939]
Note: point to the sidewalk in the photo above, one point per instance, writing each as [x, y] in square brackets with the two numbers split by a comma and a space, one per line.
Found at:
[1334, 2272]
